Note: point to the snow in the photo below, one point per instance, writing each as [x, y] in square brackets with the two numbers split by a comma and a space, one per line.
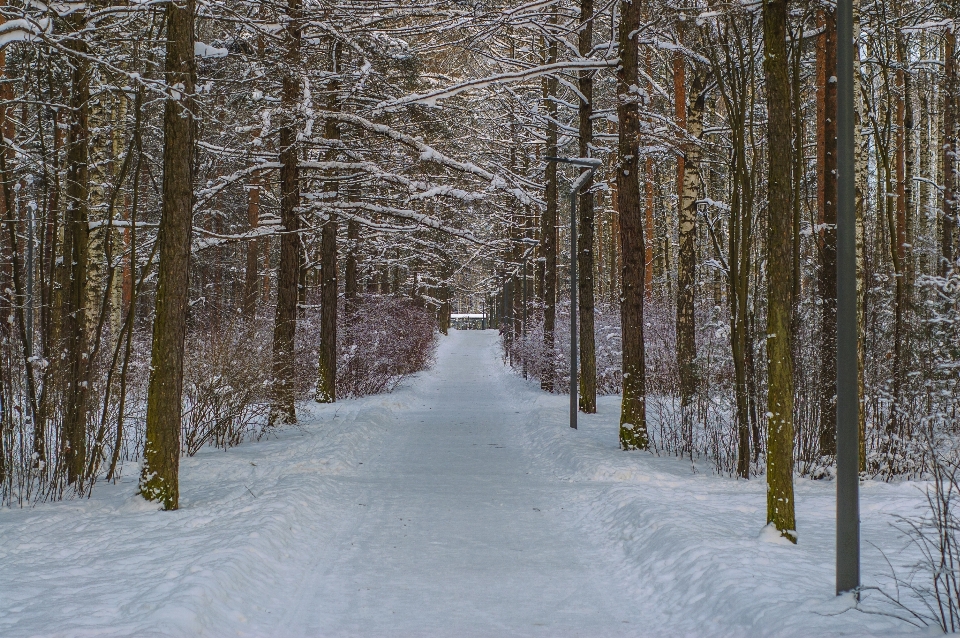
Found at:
[24, 30]
[459, 505]
[203, 50]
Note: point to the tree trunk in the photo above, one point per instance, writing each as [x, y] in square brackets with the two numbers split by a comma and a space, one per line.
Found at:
[283, 404]
[350, 270]
[252, 276]
[633, 416]
[548, 230]
[780, 508]
[327, 364]
[827, 204]
[76, 241]
[159, 479]
[949, 146]
[687, 256]
[861, 194]
[327, 369]
[649, 233]
[585, 266]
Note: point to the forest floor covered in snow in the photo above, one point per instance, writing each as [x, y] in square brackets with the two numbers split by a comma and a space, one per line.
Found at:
[459, 505]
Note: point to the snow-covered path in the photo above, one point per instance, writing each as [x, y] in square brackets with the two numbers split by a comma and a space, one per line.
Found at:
[452, 531]
[459, 506]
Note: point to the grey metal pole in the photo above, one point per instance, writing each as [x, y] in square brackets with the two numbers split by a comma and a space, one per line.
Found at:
[523, 327]
[848, 393]
[591, 164]
[574, 388]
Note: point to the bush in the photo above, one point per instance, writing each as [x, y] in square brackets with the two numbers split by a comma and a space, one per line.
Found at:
[226, 376]
[380, 340]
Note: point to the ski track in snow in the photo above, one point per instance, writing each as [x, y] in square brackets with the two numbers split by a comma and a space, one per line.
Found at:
[460, 505]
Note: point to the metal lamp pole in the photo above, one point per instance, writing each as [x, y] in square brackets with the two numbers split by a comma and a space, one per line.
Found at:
[848, 393]
[523, 326]
[591, 165]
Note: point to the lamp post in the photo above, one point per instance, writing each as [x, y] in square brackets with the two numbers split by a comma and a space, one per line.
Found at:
[523, 325]
[591, 165]
[848, 390]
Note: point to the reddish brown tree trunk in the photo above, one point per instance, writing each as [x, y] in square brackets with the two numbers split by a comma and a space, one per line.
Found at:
[827, 205]
[633, 417]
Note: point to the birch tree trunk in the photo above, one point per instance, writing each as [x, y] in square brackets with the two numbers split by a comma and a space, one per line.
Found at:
[692, 186]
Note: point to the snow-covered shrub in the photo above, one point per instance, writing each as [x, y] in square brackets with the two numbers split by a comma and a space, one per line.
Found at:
[928, 594]
[714, 436]
[225, 385]
[380, 340]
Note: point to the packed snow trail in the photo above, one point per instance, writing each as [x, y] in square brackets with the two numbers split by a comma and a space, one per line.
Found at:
[453, 533]
[459, 506]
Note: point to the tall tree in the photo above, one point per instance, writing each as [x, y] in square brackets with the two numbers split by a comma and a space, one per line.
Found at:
[690, 191]
[951, 97]
[585, 265]
[159, 478]
[251, 274]
[548, 221]
[633, 410]
[780, 508]
[327, 364]
[283, 403]
[76, 242]
[827, 211]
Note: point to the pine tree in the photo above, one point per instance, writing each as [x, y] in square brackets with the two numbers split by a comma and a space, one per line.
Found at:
[159, 478]
[633, 416]
[780, 510]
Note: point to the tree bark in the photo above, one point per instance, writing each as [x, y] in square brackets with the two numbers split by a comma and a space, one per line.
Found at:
[350, 269]
[159, 479]
[949, 146]
[780, 506]
[692, 186]
[283, 401]
[633, 417]
[327, 364]
[827, 205]
[861, 195]
[76, 241]
[548, 230]
[585, 265]
[251, 276]
[327, 368]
